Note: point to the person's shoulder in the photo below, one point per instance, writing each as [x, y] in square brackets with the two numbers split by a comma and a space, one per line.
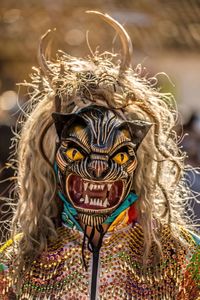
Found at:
[190, 285]
[180, 242]
[180, 234]
[7, 255]
[9, 247]
[181, 246]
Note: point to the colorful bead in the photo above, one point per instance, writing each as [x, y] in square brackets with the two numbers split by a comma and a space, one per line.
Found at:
[59, 272]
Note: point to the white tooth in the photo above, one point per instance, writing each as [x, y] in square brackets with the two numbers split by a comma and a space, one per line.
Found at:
[102, 186]
[85, 185]
[82, 200]
[105, 204]
[109, 186]
[86, 199]
[95, 201]
[91, 186]
[91, 201]
[100, 203]
[99, 187]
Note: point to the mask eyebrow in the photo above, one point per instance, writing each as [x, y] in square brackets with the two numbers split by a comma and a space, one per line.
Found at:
[129, 145]
[76, 143]
[78, 134]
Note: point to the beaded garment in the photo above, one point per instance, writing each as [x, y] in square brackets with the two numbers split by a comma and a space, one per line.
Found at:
[59, 273]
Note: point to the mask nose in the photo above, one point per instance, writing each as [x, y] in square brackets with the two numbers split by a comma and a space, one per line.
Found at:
[98, 168]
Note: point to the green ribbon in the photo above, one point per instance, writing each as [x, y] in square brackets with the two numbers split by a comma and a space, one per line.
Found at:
[69, 214]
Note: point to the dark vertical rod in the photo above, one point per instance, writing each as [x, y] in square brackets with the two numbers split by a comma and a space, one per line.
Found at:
[95, 263]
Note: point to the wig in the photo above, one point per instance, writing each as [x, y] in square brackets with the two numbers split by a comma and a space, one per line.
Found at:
[68, 84]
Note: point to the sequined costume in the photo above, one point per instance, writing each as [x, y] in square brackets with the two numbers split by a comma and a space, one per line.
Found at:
[59, 273]
[100, 189]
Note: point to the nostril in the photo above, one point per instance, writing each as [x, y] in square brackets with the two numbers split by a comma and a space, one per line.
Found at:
[97, 168]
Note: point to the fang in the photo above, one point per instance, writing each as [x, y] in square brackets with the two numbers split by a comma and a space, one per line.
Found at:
[86, 199]
[105, 204]
[109, 186]
[85, 185]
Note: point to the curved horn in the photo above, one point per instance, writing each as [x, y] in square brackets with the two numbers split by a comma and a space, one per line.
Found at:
[127, 49]
[41, 56]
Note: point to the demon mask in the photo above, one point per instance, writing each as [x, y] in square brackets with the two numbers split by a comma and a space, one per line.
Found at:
[96, 159]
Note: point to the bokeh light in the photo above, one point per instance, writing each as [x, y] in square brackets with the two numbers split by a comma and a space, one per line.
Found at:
[8, 100]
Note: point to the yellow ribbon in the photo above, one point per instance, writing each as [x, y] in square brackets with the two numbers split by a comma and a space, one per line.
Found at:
[120, 221]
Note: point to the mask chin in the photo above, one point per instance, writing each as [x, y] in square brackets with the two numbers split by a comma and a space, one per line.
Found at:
[93, 220]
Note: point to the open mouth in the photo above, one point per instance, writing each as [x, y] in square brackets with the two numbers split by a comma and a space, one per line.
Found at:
[94, 195]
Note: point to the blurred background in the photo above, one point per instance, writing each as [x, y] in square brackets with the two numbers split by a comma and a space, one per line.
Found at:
[165, 35]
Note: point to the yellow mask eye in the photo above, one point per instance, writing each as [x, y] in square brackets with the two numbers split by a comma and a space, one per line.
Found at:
[121, 158]
[74, 154]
